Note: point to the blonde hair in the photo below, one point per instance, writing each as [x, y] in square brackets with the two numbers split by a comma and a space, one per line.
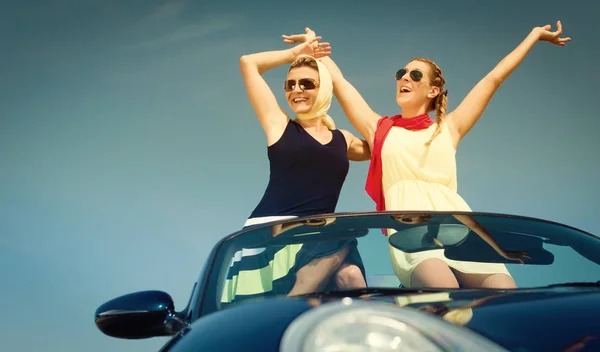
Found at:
[439, 103]
[323, 101]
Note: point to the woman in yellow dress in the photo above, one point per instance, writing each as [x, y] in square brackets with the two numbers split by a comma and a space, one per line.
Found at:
[413, 163]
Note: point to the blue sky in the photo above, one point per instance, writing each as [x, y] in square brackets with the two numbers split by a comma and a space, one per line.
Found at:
[128, 146]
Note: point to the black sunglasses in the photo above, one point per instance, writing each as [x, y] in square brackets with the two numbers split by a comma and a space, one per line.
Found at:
[415, 75]
[304, 83]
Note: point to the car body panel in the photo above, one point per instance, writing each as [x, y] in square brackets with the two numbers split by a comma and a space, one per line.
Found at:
[553, 319]
[248, 327]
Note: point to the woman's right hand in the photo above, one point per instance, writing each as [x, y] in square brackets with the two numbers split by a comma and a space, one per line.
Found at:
[312, 48]
[300, 38]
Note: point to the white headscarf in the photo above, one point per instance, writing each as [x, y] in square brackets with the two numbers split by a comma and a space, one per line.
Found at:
[323, 101]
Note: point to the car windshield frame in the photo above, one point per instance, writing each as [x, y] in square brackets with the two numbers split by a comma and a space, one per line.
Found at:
[213, 277]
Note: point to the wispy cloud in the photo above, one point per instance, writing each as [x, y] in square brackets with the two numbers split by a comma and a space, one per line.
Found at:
[170, 23]
[167, 11]
[191, 31]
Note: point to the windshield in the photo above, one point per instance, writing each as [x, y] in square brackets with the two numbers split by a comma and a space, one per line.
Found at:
[386, 250]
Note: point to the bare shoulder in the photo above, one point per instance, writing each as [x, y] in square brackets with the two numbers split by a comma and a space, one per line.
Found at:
[345, 133]
[358, 149]
[274, 130]
[449, 120]
[451, 124]
[348, 135]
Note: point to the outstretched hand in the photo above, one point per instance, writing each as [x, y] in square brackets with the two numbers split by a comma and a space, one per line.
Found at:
[519, 256]
[545, 34]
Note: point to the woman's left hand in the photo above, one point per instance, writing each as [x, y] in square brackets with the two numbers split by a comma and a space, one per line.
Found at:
[544, 34]
[312, 48]
[515, 255]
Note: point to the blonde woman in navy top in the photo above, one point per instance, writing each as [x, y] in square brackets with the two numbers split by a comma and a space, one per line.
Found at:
[309, 161]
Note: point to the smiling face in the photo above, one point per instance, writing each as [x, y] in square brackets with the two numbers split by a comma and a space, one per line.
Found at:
[415, 86]
[302, 86]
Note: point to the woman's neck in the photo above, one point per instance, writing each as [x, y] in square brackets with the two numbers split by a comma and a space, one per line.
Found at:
[409, 112]
[315, 124]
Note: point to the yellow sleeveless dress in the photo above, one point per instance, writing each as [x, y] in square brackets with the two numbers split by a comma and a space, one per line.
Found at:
[416, 177]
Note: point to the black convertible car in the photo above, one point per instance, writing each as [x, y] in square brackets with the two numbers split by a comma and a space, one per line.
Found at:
[555, 307]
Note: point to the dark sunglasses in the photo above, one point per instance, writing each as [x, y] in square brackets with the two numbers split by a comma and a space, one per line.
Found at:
[304, 83]
[415, 75]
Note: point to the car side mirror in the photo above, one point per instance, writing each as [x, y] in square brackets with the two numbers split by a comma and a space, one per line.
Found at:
[139, 315]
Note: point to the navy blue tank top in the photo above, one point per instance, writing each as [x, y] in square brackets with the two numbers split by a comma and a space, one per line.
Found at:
[306, 177]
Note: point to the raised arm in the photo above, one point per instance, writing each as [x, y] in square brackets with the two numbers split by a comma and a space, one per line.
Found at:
[360, 114]
[464, 117]
[270, 115]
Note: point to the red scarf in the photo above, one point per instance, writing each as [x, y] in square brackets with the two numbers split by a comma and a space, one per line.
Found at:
[374, 186]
